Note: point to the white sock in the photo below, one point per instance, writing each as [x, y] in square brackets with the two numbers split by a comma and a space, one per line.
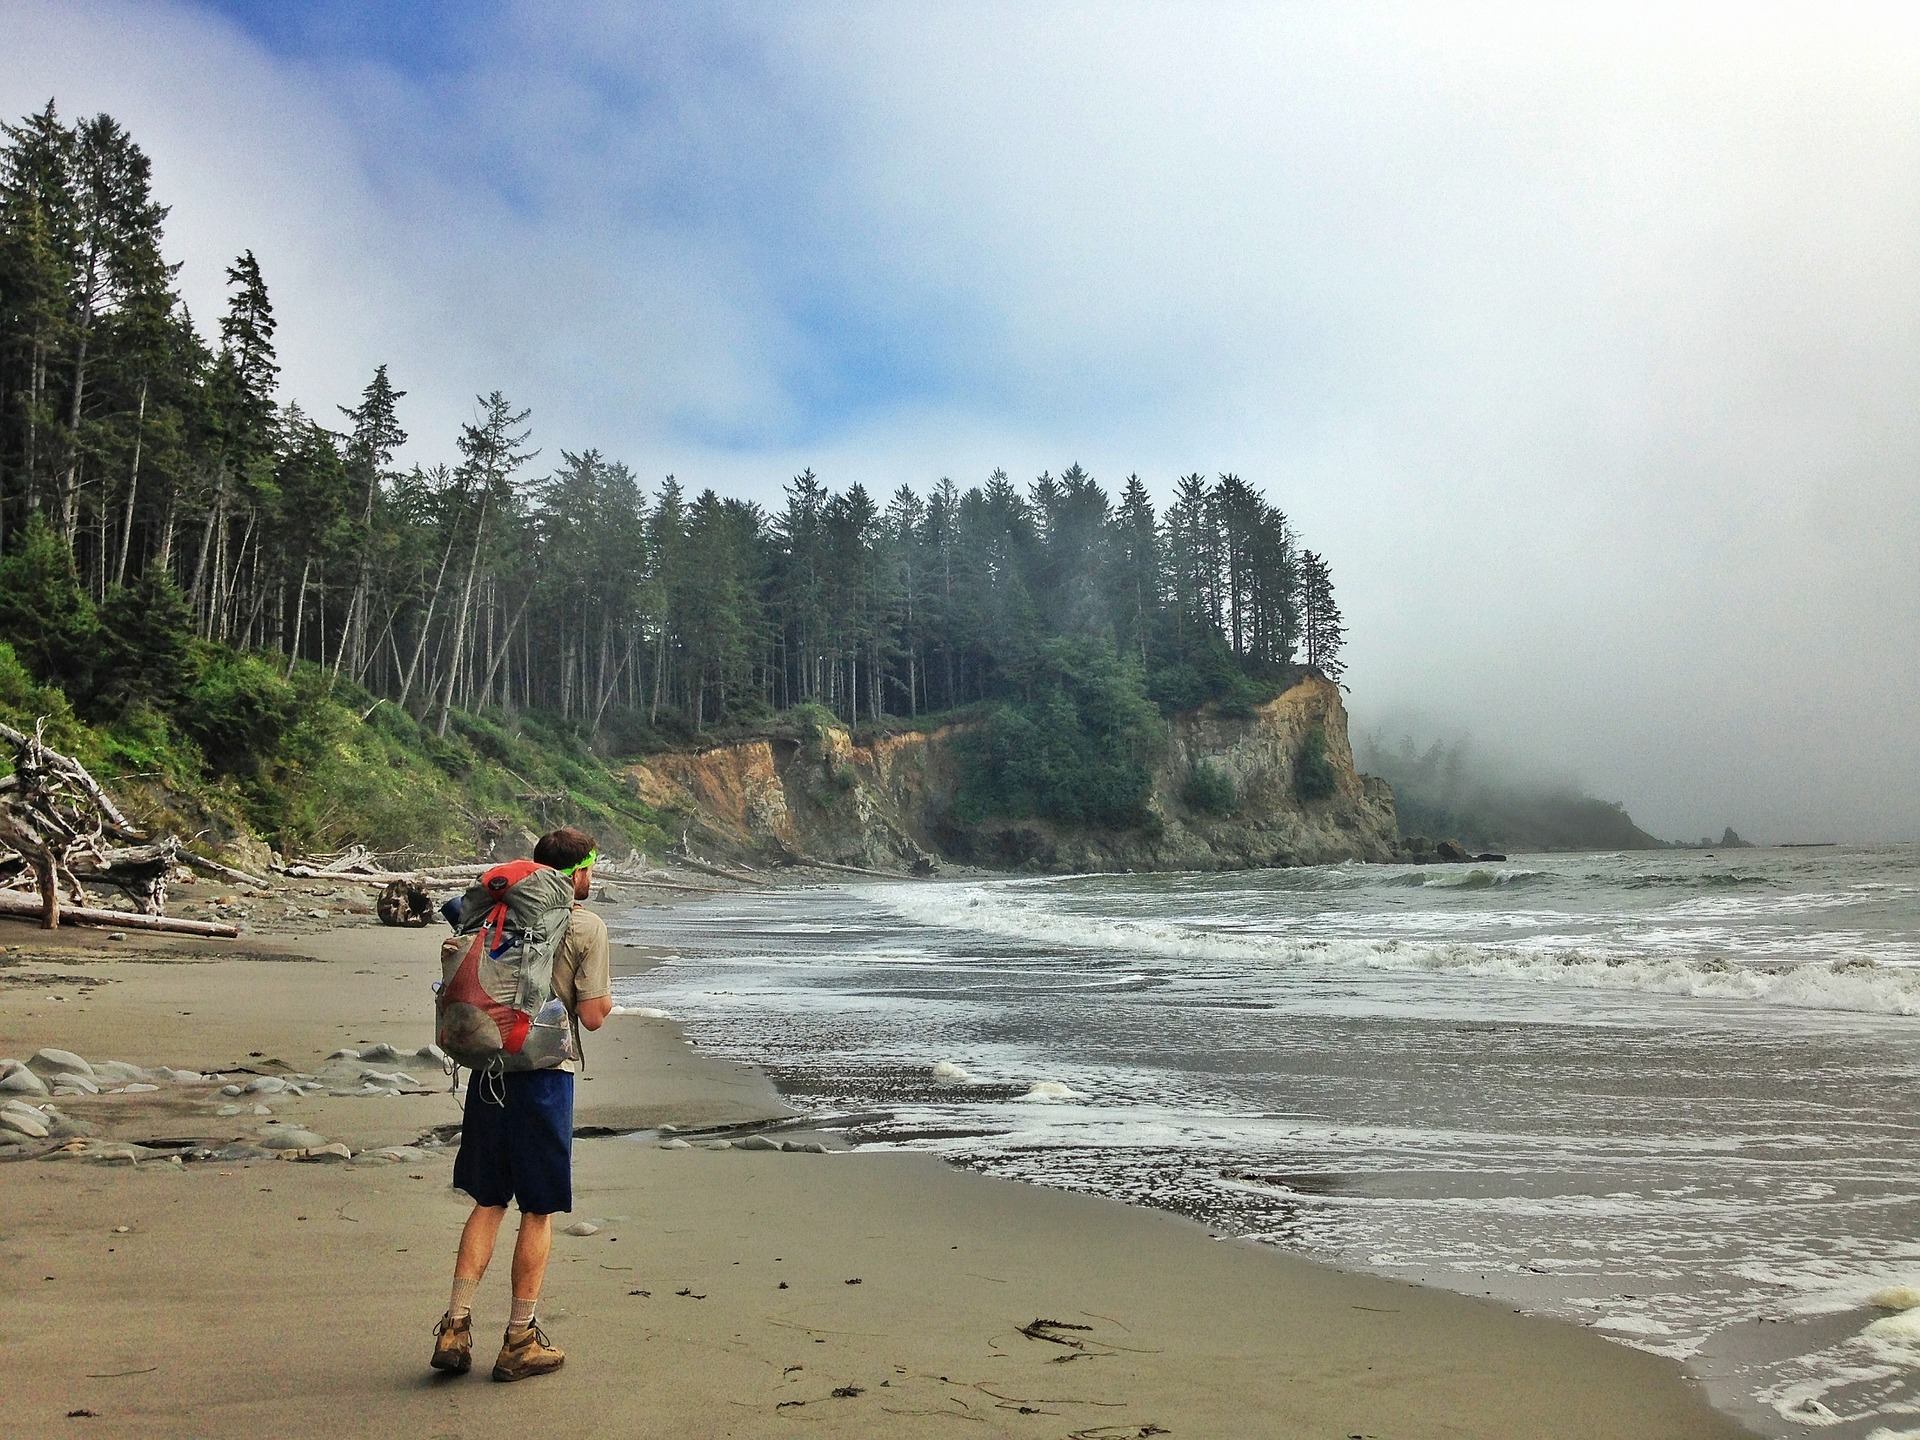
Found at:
[522, 1314]
[461, 1306]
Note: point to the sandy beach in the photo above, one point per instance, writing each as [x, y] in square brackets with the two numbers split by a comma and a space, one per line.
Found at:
[723, 1292]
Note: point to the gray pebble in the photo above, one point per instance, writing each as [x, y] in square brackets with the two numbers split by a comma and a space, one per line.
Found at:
[13, 1120]
[716, 1144]
[431, 1052]
[332, 1153]
[227, 1110]
[260, 1110]
[117, 1070]
[814, 1147]
[344, 1055]
[675, 1145]
[759, 1142]
[141, 1088]
[85, 1084]
[583, 1227]
[382, 1051]
[408, 1153]
[239, 1150]
[264, 1085]
[292, 1137]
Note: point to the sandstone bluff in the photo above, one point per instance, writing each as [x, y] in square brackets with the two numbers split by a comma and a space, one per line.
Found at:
[888, 804]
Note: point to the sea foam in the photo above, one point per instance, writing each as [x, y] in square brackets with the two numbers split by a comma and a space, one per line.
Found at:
[1848, 983]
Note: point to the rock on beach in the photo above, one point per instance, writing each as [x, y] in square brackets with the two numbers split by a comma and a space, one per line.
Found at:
[50, 1062]
[22, 1082]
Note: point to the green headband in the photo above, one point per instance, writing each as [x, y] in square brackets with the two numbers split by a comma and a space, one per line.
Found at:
[586, 864]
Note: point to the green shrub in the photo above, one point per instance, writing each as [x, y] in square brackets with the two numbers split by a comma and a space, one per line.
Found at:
[45, 612]
[236, 709]
[145, 650]
[23, 701]
[1209, 790]
[1314, 777]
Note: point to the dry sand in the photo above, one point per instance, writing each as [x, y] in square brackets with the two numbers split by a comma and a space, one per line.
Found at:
[726, 1293]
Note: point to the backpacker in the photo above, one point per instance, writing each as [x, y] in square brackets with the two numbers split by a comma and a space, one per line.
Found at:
[496, 1009]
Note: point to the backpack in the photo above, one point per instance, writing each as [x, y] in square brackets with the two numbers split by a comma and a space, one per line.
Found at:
[495, 1009]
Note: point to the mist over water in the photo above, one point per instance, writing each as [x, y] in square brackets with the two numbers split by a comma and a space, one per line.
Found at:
[1671, 1096]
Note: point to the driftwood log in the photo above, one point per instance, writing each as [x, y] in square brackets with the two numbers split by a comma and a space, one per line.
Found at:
[12, 902]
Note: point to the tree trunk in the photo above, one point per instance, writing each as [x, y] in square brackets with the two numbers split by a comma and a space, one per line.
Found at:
[299, 617]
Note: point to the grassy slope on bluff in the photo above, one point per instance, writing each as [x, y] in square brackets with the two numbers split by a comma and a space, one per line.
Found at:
[305, 763]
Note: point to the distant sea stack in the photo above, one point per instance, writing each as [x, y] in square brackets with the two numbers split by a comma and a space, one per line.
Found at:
[1275, 785]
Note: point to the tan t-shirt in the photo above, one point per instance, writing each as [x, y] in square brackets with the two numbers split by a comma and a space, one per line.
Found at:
[583, 965]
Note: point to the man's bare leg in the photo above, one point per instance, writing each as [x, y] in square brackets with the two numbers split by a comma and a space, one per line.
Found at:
[531, 1247]
[476, 1243]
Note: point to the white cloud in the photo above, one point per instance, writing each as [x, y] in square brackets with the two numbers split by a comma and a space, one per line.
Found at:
[1582, 341]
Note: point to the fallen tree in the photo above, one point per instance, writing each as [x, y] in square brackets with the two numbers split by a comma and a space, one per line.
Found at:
[26, 907]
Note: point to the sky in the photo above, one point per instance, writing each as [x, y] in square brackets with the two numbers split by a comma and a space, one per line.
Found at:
[1583, 341]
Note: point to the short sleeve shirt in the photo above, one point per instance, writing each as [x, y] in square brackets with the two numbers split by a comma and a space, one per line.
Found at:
[583, 965]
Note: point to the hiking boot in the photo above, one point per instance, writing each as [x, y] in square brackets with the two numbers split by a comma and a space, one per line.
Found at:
[529, 1355]
[453, 1344]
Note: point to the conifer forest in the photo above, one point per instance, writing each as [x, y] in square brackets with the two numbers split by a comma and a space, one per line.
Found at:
[180, 536]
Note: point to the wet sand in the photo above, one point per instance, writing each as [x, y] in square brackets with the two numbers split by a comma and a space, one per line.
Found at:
[725, 1292]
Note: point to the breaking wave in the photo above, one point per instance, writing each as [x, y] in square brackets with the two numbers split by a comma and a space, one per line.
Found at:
[1851, 982]
[1468, 879]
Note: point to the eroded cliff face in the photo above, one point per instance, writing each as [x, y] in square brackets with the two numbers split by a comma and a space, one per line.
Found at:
[887, 805]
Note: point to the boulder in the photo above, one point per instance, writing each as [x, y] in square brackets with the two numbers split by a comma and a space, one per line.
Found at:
[759, 1142]
[22, 1082]
[33, 1129]
[56, 1062]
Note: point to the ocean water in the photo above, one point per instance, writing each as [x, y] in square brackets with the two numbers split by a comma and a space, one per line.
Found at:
[1673, 1096]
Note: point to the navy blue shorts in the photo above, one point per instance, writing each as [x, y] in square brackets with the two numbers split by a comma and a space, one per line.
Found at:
[520, 1151]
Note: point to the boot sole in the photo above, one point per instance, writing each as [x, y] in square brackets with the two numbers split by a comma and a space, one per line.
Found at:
[507, 1376]
[453, 1364]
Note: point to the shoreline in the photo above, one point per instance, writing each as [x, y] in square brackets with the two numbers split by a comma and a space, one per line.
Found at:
[723, 1292]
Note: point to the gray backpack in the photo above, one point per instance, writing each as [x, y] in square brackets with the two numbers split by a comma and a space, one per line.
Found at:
[496, 1010]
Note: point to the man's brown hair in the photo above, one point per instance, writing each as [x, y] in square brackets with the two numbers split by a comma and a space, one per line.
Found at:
[564, 848]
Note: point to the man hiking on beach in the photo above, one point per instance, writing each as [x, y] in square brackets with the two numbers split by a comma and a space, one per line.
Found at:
[516, 1143]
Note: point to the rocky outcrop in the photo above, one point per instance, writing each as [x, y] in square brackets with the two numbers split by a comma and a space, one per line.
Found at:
[1226, 795]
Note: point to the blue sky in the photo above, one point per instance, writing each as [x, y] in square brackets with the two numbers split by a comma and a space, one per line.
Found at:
[1581, 339]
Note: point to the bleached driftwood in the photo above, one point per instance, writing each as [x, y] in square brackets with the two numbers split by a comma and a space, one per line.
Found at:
[16, 904]
[54, 815]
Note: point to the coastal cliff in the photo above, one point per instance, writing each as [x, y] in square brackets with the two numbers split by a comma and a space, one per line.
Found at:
[887, 803]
